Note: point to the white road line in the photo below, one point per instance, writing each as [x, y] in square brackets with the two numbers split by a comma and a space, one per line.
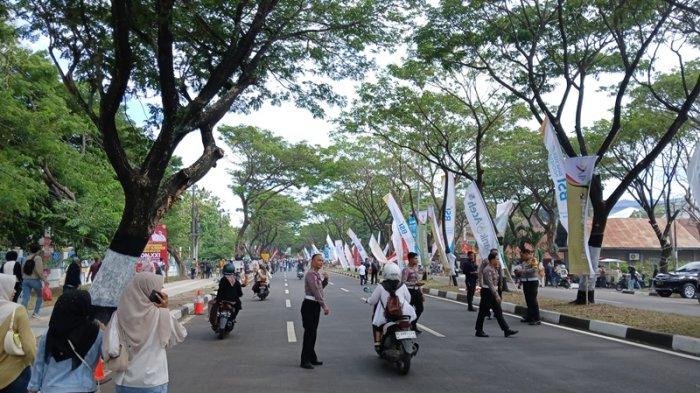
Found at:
[331, 283]
[630, 343]
[286, 291]
[431, 331]
[344, 290]
[187, 319]
[291, 336]
[364, 299]
[286, 285]
[287, 303]
[609, 301]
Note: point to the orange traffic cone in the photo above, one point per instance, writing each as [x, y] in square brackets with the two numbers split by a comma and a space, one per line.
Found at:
[199, 303]
[99, 371]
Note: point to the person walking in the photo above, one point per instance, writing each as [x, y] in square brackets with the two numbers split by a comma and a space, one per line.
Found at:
[490, 300]
[453, 266]
[11, 266]
[94, 268]
[632, 282]
[70, 350]
[311, 311]
[362, 271]
[409, 276]
[33, 279]
[470, 270]
[14, 368]
[72, 281]
[147, 329]
[375, 272]
[527, 271]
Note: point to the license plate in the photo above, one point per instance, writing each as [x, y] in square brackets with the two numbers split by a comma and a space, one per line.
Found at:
[405, 334]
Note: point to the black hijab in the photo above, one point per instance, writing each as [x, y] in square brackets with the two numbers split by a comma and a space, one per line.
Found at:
[391, 285]
[72, 320]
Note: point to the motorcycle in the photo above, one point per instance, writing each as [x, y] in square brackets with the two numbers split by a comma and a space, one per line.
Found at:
[398, 344]
[300, 274]
[564, 281]
[623, 283]
[223, 324]
[263, 291]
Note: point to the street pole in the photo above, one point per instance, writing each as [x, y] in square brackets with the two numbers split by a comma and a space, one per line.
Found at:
[195, 228]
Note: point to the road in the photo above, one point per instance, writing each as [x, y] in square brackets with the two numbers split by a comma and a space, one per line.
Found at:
[262, 354]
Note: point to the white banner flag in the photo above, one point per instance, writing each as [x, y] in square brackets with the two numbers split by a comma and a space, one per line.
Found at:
[400, 221]
[397, 243]
[437, 237]
[341, 254]
[694, 175]
[314, 249]
[329, 242]
[557, 170]
[480, 221]
[376, 250]
[450, 212]
[422, 216]
[503, 211]
[348, 256]
[357, 243]
[307, 256]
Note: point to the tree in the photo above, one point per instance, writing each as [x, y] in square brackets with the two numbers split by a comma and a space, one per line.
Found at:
[275, 224]
[532, 47]
[200, 59]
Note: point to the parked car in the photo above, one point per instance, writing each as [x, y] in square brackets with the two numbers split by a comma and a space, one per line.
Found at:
[683, 280]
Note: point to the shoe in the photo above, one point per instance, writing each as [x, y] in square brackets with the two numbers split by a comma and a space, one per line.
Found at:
[36, 316]
[488, 317]
[510, 332]
[307, 366]
[317, 363]
[481, 334]
[534, 323]
[472, 309]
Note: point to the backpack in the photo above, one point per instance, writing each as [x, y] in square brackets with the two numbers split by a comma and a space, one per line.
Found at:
[393, 310]
[29, 265]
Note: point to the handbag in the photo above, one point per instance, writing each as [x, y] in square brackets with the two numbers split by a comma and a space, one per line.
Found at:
[116, 357]
[46, 293]
[92, 372]
[13, 343]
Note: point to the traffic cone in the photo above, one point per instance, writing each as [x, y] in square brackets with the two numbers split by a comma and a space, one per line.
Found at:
[199, 303]
[99, 371]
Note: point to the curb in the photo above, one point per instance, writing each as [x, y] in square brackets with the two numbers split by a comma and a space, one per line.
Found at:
[673, 342]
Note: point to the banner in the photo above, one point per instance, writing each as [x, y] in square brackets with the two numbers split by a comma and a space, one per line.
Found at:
[314, 249]
[156, 249]
[437, 238]
[307, 256]
[348, 255]
[450, 212]
[377, 250]
[326, 253]
[423, 241]
[401, 224]
[579, 172]
[694, 175]
[356, 242]
[413, 227]
[397, 242]
[329, 243]
[480, 221]
[422, 216]
[557, 170]
[341, 255]
[503, 211]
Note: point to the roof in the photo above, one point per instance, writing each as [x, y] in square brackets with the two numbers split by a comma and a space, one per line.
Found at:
[690, 225]
[637, 234]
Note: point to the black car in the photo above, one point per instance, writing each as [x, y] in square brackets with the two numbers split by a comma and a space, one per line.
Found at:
[684, 281]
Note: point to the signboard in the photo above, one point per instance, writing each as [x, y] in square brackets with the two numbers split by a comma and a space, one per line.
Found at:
[157, 247]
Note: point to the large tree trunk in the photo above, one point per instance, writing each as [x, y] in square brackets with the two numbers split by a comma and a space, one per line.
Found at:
[662, 237]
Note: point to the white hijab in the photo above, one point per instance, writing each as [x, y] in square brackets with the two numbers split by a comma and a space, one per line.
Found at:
[7, 289]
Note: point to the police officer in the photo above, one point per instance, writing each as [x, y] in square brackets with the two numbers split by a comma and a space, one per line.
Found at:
[311, 311]
[409, 276]
[469, 268]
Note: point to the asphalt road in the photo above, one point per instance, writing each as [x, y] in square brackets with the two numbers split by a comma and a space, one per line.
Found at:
[262, 356]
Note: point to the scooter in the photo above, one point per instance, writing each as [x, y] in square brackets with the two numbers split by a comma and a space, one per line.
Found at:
[300, 274]
[224, 319]
[398, 344]
[263, 291]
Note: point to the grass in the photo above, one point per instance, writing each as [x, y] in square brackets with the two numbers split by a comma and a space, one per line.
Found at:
[641, 319]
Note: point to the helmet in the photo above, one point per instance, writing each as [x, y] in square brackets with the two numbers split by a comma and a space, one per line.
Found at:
[391, 271]
[229, 269]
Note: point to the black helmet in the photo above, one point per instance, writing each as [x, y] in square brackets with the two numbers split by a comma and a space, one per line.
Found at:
[229, 269]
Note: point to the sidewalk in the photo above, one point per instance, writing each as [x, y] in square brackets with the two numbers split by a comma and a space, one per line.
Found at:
[39, 326]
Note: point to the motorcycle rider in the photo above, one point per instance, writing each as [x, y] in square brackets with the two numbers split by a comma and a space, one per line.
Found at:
[391, 285]
[409, 276]
[230, 290]
[260, 278]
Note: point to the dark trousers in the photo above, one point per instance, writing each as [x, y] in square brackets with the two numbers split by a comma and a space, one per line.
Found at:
[454, 279]
[471, 288]
[363, 279]
[19, 385]
[417, 303]
[310, 315]
[533, 309]
[488, 302]
[374, 277]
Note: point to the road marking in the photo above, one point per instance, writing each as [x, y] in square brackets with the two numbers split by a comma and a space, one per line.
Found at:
[286, 285]
[364, 299]
[287, 303]
[331, 283]
[621, 341]
[431, 331]
[286, 291]
[344, 290]
[608, 301]
[187, 319]
[291, 336]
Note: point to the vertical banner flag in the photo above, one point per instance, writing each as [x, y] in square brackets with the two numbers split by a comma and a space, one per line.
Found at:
[423, 241]
[480, 221]
[341, 255]
[401, 224]
[397, 242]
[307, 256]
[329, 243]
[413, 227]
[357, 243]
[348, 255]
[694, 175]
[326, 253]
[376, 250]
[557, 170]
[579, 171]
[503, 211]
[314, 249]
[450, 210]
[437, 237]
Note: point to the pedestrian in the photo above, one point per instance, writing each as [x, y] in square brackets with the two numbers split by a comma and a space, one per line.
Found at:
[409, 276]
[14, 368]
[147, 329]
[453, 266]
[362, 271]
[72, 281]
[549, 274]
[375, 272]
[527, 271]
[94, 268]
[11, 266]
[311, 311]
[33, 279]
[207, 270]
[70, 350]
[632, 282]
[470, 270]
[490, 300]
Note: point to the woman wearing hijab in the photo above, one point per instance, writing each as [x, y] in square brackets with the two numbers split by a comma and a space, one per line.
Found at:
[72, 281]
[146, 328]
[391, 286]
[69, 351]
[14, 370]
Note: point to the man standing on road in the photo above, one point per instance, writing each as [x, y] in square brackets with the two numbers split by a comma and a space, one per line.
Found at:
[375, 272]
[311, 311]
[469, 268]
[490, 299]
[527, 270]
[409, 276]
[362, 271]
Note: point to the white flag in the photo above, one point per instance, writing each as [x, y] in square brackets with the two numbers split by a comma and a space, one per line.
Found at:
[307, 256]
[480, 221]
[398, 244]
[400, 221]
[348, 255]
[314, 249]
[341, 255]
[329, 242]
[450, 212]
[437, 236]
[557, 171]
[376, 250]
[357, 243]
[694, 175]
[503, 211]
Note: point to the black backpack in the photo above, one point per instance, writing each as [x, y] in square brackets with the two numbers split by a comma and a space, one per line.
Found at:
[29, 265]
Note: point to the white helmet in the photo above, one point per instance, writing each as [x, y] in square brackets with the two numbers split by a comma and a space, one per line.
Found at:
[391, 271]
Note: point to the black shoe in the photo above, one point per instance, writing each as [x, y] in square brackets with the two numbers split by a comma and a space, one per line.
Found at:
[488, 317]
[472, 309]
[481, 334]
[534, 323]
[307, 366]
[317, 363]
[510, 332]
